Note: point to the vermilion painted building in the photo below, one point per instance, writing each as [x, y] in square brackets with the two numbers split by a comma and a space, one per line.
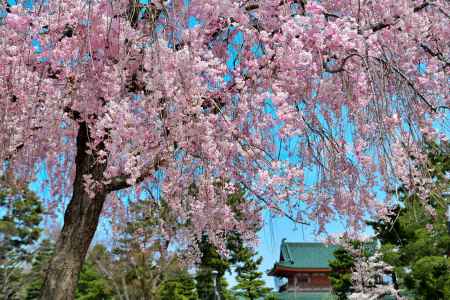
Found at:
[305, 266]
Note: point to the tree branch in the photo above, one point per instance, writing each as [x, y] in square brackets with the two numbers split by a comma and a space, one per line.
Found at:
[408, 82]
[73, 114]
[339, 68]
[121, 181]
[438, 55]
[275, 207]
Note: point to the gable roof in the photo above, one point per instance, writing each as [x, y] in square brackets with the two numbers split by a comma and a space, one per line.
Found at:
[306, 255]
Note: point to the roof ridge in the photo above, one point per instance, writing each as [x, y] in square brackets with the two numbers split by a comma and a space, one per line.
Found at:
[306, 254]
[304, 243]
[308, 243]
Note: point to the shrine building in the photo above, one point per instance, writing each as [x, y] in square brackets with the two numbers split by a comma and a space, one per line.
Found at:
[302, 271]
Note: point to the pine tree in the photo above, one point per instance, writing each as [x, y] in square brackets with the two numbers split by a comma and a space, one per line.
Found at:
[20, 216]
[38, 268]
[187, 286]
[91, 284]
[250, 284]
[19, 224]
[340, 276]
[180, 286]
[212, 262]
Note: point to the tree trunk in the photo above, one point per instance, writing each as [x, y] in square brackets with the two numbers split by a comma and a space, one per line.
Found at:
[80, 223]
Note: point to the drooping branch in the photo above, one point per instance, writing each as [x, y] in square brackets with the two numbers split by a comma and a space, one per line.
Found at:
[436, 54]
[275, 207]
[20, 145]
[408, 82]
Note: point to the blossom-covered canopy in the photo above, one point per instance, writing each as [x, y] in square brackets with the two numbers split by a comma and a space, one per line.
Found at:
[305, 104]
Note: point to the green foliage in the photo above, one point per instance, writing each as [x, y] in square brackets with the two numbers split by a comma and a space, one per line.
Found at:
[414, 241]
[430, 278]
[180, 286]
[205, 283]
[35, 277]
[92, 285]
[340, 276]
[225, 291]
[19, 225]
[211, 261]
[249, 280]
[20, 216]
[271, 296]
[11, 281]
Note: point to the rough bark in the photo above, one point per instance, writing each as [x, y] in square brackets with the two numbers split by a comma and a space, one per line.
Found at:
[80, 223]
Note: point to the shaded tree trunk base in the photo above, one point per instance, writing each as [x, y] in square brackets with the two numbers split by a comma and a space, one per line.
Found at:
[71, 248]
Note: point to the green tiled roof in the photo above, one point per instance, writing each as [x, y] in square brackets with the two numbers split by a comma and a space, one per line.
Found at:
[306, 255]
